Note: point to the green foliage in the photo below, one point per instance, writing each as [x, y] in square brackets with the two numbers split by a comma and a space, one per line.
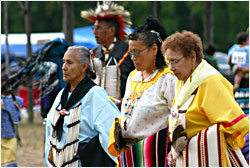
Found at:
[230, 17]
[139, 10]
[16, 18]
[80, 6]
[46, 17]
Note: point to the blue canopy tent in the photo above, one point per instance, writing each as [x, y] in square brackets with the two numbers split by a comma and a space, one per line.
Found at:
[85, 37]
[18, 42]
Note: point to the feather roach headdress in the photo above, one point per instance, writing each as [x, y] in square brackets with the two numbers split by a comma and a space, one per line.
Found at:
[110, 10]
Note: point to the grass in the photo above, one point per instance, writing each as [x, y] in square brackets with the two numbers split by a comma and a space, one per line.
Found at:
[32, 150]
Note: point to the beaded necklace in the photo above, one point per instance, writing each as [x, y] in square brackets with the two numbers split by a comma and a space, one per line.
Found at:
[108, 50]
[132, 101]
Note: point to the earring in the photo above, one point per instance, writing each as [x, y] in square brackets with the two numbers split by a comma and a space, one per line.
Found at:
[154, 63]
[192, 69]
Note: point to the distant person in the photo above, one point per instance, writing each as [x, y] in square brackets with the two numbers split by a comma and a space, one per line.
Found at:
[111, 59]
[10, 117]
[209, 56]
[77, 127]
[239, 60]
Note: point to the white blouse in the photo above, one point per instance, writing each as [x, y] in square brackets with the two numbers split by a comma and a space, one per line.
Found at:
[151, 112]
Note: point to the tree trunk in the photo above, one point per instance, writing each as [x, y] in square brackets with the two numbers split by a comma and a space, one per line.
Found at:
[68, 20]
[27, 21]
[29, 54]
[208, 25]
[6, 29]
[157, 9]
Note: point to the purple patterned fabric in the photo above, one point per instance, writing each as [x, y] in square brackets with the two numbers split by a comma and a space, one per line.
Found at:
[245, 149]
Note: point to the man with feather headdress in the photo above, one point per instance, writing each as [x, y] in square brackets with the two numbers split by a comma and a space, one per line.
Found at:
[111, 59]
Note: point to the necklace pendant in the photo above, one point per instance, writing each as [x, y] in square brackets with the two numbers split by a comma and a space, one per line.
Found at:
[64, 112]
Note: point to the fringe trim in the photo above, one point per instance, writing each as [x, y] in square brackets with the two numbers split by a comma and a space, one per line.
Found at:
[67, 156]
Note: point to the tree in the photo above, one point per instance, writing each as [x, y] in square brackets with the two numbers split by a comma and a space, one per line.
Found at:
[175, 16]
[157, 9]
[68, 20]
[6, 29]
[27, 20]
[208, 24]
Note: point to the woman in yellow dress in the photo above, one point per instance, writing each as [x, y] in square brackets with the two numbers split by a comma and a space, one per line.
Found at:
[147, 101]
[206, 125]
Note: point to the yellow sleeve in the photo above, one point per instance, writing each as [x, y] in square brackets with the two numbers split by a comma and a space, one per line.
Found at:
[220, 107]
[111, 146]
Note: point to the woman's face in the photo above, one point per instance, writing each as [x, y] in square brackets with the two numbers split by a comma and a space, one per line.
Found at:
[142, 56]
[180, 65]
[73, 70]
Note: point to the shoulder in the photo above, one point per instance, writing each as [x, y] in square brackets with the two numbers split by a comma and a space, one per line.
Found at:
[19, 98]
[60, 92]
[97, 92]
[167, 80]
[96, 88]
[132, 73]
[96, 48]
[246, 48]
[216, 82]
[97, 51]
[231, 50]
[120, 47]
[166, 72]
[170, 76]
[121, 43]
[58, 97]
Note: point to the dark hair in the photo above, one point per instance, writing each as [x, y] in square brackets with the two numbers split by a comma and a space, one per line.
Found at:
[4, 80]
[210, 50]
[185, 42]
[152, 32]
[242, 37]
[112, 22]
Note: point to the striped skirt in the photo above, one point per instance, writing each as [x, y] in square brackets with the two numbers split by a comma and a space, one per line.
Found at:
[150, 152]
[209, 149]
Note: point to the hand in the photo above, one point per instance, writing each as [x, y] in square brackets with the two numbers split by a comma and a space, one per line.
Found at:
[179, 139]
[119, 141]
[117, 133]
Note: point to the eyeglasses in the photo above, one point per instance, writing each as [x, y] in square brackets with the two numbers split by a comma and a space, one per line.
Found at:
[98, 28]
[174, 63]
[136, 53]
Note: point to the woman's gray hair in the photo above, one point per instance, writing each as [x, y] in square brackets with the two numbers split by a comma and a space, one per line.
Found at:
[84, 56]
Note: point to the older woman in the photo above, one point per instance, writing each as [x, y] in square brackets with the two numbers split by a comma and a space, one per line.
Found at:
[204, 110]
[147, 101]
[77, 127]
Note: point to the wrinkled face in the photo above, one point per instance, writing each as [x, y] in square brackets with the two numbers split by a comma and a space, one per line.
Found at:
[73, 71]
[180, 65]
[142, 56]
[102, 32]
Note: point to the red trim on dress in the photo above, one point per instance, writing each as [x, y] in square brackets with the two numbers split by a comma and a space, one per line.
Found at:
[235, 121]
